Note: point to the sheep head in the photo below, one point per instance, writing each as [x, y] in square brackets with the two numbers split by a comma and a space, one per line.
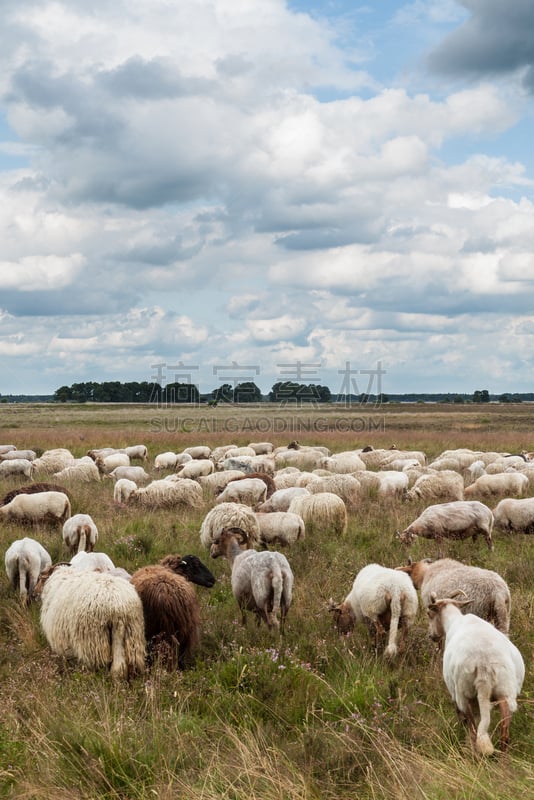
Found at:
[191, 567]
[230, 541]
[343, 616]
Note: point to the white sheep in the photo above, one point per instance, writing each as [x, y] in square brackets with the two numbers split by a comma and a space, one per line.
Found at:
[342, 462]
[29, 455]
[16, 466]
[80, 533]
[249, 491]
[382, 598]
[305, 458]
[136, 451]
[288, 477]
[107, 464]
[201, 451]
[92, 561]
[344, 485]
[280, 500]
[441, 486]
[53, 460]
[261, 448]
[136, 474]
[503, 483]
[25, 559]
[456, 520]
[213, 484]
[168, 494]
[196, 468]
[84, 469]
[481, 666]
[280, 527]
[262, 582]
[47, 507]
[229, 515]
[95, 617]
[168, 460]
[123, 489]
[489, 594]
[7, 448]
[515, 515]
[321, 512]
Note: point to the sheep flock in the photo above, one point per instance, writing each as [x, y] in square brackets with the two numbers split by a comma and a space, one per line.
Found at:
[258, 506]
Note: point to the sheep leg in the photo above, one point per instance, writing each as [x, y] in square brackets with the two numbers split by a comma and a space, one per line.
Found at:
[506, 717]
[118, 664]
[483, 742]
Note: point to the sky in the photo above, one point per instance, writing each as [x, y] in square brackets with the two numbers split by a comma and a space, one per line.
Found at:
[217, 191]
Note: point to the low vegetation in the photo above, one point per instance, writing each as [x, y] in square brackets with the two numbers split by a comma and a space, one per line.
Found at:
[311, 716]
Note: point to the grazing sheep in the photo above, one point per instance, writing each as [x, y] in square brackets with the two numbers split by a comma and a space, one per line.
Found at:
[93, 561]
[324, 511]
[107, 464]
[248, 464]
[229, 515]
[53, 460]
[136, 451]
[136, 474]
[168, 494]
[263, 476]
[305, 458]
[215, 483]
[280, 500]
[6, 448]
[46, 507]
[171, 607]
[196, 468]
[344, 485]
[503, 483]
[122, 490]
[25, 559]
[168, 460]
[442, 486]
[32, 488]
[28, 455]
[280, 527]
[457, 520]
[288, 477]
[488, 593]
[481, 666]
[474, 471]
[84, 469]
[16, 466]
[95, 617]
[261, 448]
[342, 463]
[249, 491]
[80, 533]
[382, 598]
[201, 451]
[515, 515]
[261, 582]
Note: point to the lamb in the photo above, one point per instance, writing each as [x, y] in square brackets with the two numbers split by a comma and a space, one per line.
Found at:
[16, 466]
[280, 527]
[48, 507]
[80, 533]
[503, 483]
[229, 515]
[122, 490]
[262, 582]
[170, 605]
[93, 561]
[515, 515]
[25, 559]
[481, 666]
[488, 593]
[456, 520]
[323, 511]
[250, 491]
[136, 474]
[168, 494]
[95, 617]
[84, 469]
[442, 486]
[382, 598]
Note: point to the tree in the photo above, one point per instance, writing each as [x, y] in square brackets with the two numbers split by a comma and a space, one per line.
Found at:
[223, 394]
[247, 392]
[481, 396]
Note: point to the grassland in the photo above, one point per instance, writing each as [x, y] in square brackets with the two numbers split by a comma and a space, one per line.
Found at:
[314, 717]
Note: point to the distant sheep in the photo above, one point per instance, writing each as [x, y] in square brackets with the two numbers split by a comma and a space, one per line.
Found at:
[456, 520]
[262, 582]
[84, 469]
[440, 487]
[488, 593]
[200, 451]
[168, 494]
[324, 511]
[382, 598]
[196, 468]
[168, 460]
[262, 448]
[503, 483]
[481, 666]
[342, 462]
[250, 491]
[136, 451]
[213, 484]
[33, 488]
[40, 507]
[281, 499]
[25, 559]
[80, 533]
[123, 489]
[27, 455]
[136, 474]
[280, 527]
[515, 515]
[344, 485]
[263, 476]
[107, 464]
[53, 460]
[229, 515]
[94, 617]
[16, 466]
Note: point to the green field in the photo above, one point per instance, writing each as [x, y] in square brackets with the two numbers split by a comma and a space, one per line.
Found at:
[312, 716]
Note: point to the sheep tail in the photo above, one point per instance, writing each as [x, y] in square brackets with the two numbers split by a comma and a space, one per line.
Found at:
[396, 611]
[277, 584]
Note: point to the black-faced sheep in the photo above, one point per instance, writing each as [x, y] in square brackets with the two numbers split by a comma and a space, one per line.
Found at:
[25, 559]
[481, 666]
[171, 607]
[262, 582]
[94, 617]
[383, 601]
